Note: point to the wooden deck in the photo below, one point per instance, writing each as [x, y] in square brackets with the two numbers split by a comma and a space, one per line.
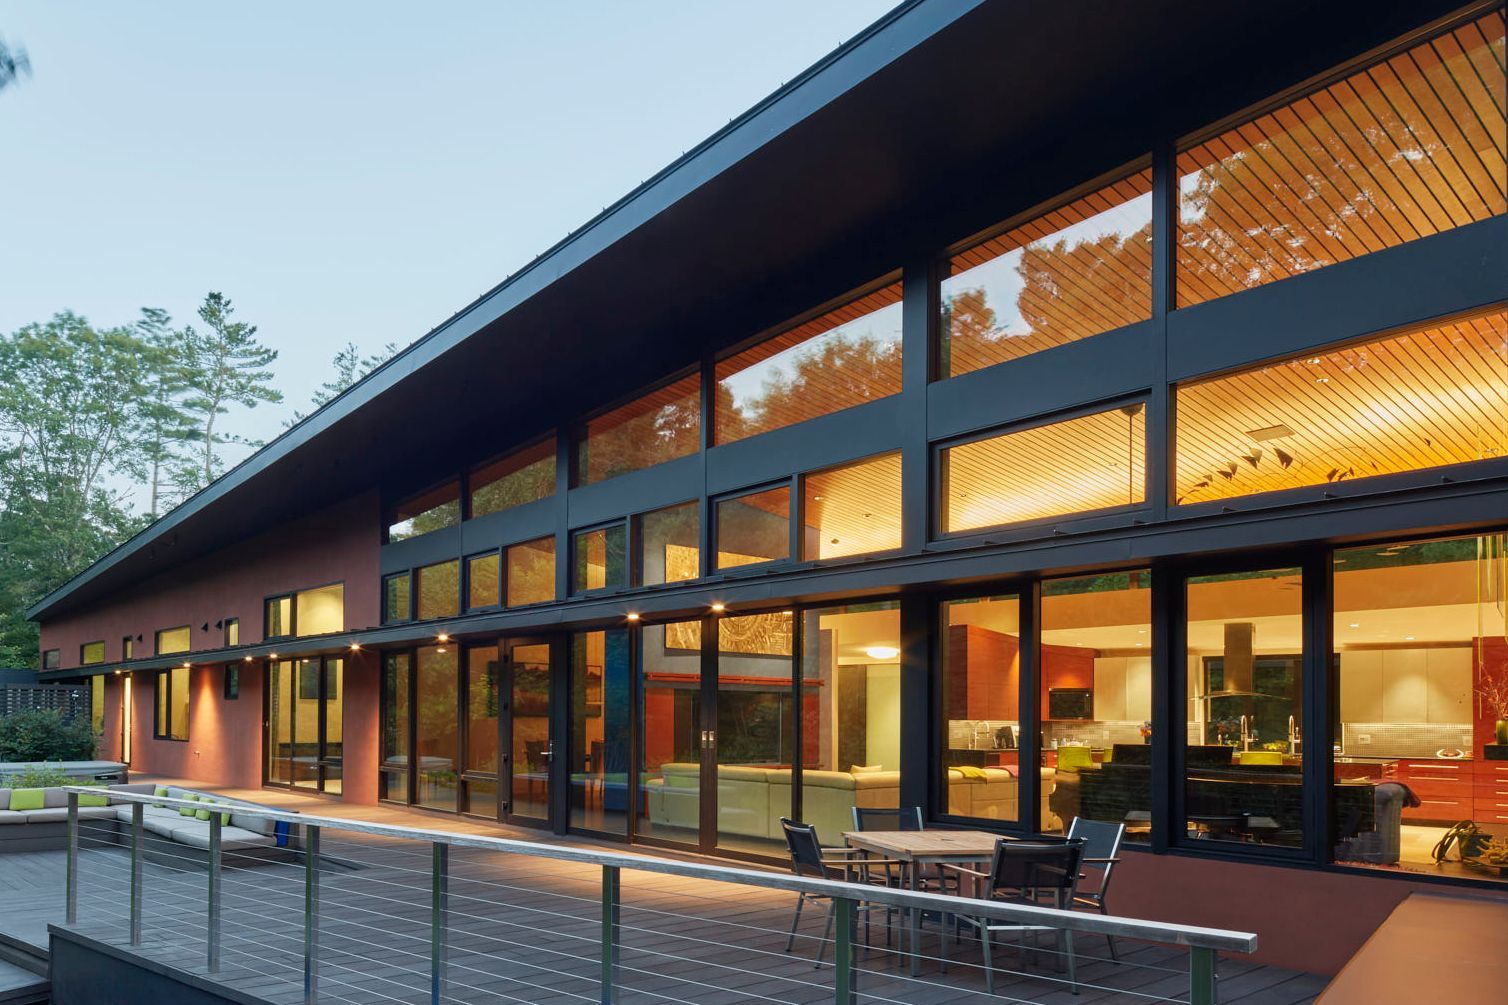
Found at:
[527, 930]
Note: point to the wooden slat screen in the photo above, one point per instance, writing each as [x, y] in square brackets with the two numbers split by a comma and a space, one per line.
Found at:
[1426, 398]
[1408, 147]
[1078, 465]
[853, 510]
[1077, 271]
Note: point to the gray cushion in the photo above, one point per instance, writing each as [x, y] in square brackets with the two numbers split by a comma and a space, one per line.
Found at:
[141, 788]
[13, 817]
[53, 798]
[231, 838]
[4, 798]
[55, 815]
[162, 826]
[256, 825]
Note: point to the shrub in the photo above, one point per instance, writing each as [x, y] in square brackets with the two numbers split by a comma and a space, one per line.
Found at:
[39, 778]
[44, 735]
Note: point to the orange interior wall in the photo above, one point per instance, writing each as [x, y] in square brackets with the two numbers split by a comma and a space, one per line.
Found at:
[984, 673]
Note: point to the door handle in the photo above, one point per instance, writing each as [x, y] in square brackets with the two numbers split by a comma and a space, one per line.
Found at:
[709, 739]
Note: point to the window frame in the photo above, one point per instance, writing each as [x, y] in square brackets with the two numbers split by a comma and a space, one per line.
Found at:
[636, 547]
[84, 660]
[407, 574]
[791, 484]
[165, 676]
[229, 625]
[157, 640]
[391, 510]
[128, 647]
[578, 427]
[292, 597]
[52, 659]
[502, 593]
[505, 578]
[415, 586]
[468, 486]
[937, 487]
[798, 511]
[625, 525]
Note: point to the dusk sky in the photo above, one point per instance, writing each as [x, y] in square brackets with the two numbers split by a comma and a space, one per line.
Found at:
[351, 171]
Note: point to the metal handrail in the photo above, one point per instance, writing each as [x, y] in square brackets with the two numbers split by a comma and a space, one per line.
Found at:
[1203, 943]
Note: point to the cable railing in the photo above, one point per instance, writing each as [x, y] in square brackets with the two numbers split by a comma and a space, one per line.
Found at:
[355, 911]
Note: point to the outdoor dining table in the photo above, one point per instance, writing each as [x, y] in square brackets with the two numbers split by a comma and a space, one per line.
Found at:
[920, 848]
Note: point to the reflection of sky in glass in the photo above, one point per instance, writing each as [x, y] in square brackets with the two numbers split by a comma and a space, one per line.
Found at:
[747, 386]
[1001, 280]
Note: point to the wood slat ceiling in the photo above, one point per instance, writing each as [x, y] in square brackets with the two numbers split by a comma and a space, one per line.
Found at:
[1079, 270]
[853, 510]
[1418, 400]
[1087, 463]
[1408, 147]
[844, 357]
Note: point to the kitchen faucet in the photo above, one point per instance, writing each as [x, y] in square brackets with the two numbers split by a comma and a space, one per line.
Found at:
[1293, 737]
[1245, 734]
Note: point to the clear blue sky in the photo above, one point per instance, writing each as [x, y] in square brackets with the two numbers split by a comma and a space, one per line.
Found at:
[352, 171]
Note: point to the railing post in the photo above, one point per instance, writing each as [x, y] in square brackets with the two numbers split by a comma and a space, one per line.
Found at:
[844, 989]
[1201, 976]
[137, 840]
[214, 892]
[612, 893]
[72, 895]
[439, 905]
[311, 914]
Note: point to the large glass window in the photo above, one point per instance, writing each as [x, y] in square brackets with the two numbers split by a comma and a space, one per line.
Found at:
[1095, 674]
[669, 542]
[1077, 465]
[172, 719]
[321, 611]
[1422, 659]
[278, 622]
[850, 713]
[1429, 397]
[438, 590]
[531, 572]
[600, 729]
[1076, 271]
[661, 426]
[1407, 147]
[91, 653]
[1243, 760]
[601, 558]
[754, 528]
[392, 781]
[523, 476]
[436, 721]
[852, 510]
[981, 707]
[670, 668]
[845, 357]
[483, 703]
[173, 640]
[433, 510]
[482, 581]
[397, 598]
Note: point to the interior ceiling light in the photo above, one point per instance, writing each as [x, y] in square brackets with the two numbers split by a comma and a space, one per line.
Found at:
[882, 652]
[1270, 432]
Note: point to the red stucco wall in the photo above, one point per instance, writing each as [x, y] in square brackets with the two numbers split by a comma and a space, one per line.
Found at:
[338, 544]
[1304, 919]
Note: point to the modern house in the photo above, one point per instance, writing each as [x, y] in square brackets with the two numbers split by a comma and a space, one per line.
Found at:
[1033, 410]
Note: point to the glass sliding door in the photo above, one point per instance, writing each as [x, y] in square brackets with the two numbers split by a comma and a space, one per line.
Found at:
[754, 739]
[599, 730]
[850, 714]
[304, 724]
[484, 701]
[671, 731]
[530, 740]
[981, 707]
[393, 774]
[1243, 755]
[436, 733]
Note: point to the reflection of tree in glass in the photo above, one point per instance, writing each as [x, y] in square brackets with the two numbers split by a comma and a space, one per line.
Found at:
[847, 369]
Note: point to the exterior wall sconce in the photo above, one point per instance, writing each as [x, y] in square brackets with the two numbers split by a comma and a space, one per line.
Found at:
[633, 615]
[442, 637]
[719, 607]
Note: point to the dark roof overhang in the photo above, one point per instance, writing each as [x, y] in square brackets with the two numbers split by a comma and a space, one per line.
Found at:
[939, 118]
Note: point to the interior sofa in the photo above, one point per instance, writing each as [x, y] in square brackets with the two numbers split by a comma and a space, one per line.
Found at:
[173, 839]
[751, 800]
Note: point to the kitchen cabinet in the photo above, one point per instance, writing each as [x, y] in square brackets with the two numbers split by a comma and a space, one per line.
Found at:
[1405, 687]
[1361, 686]
[1123, 688]
[1490, 795]
[1445, 789]
[1448, 684]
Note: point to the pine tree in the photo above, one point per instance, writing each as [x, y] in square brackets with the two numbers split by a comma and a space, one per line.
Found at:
[228, 366]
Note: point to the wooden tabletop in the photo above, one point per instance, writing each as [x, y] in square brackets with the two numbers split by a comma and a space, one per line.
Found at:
[921, 846]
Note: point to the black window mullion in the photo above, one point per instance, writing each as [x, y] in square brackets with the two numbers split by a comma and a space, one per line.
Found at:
[1028, 720]
[798, 711]
[1319, 698]
[1168, 699]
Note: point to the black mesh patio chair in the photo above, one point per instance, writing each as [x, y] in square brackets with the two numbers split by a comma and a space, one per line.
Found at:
[1035, 873]
[809, 858]
[1102, 847]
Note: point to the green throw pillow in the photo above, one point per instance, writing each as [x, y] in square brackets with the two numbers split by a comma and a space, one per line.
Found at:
[26, 799]
[160, 792]
[202, 814]
[93, 800]
[188, 811]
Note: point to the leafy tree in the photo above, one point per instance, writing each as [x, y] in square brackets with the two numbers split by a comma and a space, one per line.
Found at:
[227, 366]
[350, 367]
[69, 397]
